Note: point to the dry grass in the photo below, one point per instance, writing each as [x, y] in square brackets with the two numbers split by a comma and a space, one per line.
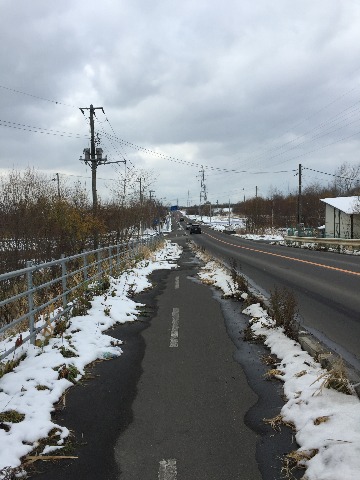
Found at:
[273, 373]
[269, 359]
[283, 309]
[239, 281]
[320, 420]
[295, 460]
[6, 367]
[335, 378]
[250, 336]
[11, 416]
[276, 422]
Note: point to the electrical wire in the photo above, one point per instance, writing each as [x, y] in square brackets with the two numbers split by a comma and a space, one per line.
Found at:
[320, 148]
[37, 97]
[324, 173]
[183, 162]
[212, 169]
[316, 137]
[46, 131]
[304, 120]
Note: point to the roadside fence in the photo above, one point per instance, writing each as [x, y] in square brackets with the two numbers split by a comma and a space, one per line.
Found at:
[46, 293]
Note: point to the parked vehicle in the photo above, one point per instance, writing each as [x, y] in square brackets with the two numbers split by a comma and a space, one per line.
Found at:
[188, 225]
[195, 228]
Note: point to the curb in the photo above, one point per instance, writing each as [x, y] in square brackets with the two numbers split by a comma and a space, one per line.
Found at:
[328, 359]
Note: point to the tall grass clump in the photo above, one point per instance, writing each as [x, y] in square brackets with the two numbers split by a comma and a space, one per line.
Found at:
[284, 310]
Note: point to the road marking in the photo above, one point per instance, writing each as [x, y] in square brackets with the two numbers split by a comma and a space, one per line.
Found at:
[167, 470]
[321, 265]
[177, 282]
[174, 336]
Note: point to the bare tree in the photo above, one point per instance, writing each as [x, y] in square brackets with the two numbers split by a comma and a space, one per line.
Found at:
[347, 178]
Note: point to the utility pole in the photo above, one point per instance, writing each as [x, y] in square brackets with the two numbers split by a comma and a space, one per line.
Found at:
[57, 179]
[150, 205]
[203, 194]
[141, 196]
[299, 198]
[93, 157]
[256, 210]
[124, 161]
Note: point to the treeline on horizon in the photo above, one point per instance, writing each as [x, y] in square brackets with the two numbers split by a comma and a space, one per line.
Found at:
[41, 219]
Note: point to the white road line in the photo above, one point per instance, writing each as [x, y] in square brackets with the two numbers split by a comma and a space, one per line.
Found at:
[174, 336]
[167, 470]
[177, 282]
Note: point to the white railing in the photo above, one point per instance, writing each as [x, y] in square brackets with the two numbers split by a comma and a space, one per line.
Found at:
[44, 293]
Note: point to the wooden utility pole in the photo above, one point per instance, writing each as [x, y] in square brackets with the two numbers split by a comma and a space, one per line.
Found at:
[299, 198]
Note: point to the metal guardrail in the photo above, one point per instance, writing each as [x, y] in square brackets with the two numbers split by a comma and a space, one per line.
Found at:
[350, 242]
[42, 293]
[305, 232]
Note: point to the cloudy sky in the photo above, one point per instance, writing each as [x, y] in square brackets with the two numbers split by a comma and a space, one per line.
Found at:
[246, 89]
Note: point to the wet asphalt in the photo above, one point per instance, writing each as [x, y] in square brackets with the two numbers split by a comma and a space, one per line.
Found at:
[200, 404]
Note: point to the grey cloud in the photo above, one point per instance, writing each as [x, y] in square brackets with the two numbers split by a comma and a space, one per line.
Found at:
[218, 84]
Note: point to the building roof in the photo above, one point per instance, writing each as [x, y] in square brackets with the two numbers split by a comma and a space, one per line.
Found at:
[349, 205]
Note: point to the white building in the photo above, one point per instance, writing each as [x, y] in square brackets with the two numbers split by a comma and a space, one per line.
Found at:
[342, 217]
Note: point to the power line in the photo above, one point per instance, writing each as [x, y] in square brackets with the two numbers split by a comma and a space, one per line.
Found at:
[108, 121]
[316, 137]
[181, 161]
[82, 176]
[307, 118]
[42, 130]
[37, 97]
[113, 146]
[46, 131]
[321, 147]
[330, 174]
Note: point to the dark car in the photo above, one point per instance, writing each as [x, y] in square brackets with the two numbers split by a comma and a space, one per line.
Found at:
[195, 228]
[188, 225]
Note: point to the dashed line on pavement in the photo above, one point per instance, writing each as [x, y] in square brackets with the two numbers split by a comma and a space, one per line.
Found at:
[167, 470]
[177, 282]
[174, 336]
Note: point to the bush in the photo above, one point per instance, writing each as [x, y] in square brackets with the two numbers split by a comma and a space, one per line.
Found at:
[283, 309]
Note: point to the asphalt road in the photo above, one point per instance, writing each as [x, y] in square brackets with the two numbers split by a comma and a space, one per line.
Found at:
[185, 400]
[192, 395]
[326, 284]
